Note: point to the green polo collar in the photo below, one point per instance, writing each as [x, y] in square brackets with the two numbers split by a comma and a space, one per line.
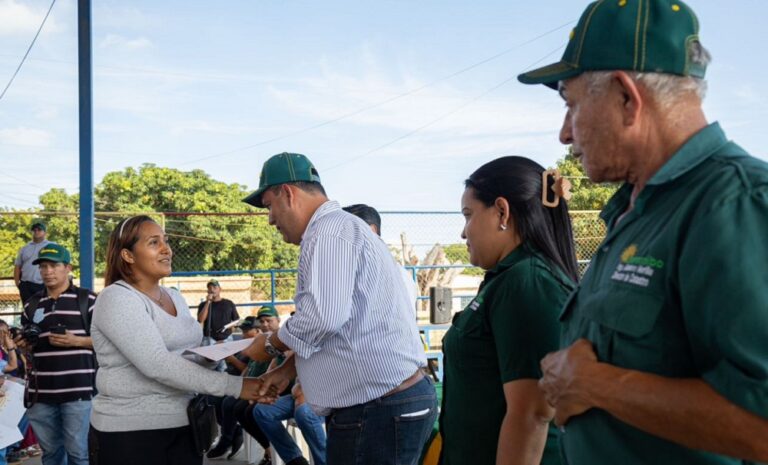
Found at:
[695, 151]
[517, 255]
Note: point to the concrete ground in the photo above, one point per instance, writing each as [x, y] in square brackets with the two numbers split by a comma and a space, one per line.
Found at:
[238, 459]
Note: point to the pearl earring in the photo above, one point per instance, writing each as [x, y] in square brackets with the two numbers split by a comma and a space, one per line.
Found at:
[503, 227]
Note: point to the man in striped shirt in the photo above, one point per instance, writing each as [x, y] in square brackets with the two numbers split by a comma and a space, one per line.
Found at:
[62, 368]
[354, 335]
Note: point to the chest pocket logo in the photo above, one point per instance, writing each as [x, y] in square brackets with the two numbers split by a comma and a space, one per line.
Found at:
[636, 270]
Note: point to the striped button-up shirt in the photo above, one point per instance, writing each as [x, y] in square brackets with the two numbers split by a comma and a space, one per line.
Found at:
[354, 332]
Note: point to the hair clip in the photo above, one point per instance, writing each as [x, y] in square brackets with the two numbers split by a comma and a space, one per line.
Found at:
[561, 187]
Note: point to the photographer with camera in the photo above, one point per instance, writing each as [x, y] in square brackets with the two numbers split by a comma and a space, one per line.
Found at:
[56, 333]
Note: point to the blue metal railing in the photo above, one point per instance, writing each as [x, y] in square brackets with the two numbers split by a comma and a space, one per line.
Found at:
[414, 269]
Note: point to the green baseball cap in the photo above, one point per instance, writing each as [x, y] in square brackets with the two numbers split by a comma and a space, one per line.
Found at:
[266, 310]
[53, 252]
[37, 224]
[629, 35]
[213, 282]
[280, 169]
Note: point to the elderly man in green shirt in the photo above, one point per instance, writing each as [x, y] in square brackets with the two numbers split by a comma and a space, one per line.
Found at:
[665, 341]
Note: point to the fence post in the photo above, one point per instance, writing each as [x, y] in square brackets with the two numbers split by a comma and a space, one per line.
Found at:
[273, 285]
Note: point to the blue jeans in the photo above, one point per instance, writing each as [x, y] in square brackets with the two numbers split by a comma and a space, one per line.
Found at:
[62, 430]
[270, 418]
[388, 430]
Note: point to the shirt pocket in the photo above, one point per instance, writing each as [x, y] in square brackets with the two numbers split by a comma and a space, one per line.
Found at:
[474, 339]
[624, 329]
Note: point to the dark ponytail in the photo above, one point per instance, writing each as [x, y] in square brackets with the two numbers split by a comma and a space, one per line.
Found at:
[519, 181]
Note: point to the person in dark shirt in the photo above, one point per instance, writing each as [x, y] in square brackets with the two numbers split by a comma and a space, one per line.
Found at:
[62, 366]
[215, 313]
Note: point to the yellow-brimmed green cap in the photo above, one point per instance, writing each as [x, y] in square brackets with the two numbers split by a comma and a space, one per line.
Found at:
[53, 252]
[280, 169]
[628, 35]
[267, 310]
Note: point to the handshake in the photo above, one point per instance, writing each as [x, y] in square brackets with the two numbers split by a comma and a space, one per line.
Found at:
[266, 388]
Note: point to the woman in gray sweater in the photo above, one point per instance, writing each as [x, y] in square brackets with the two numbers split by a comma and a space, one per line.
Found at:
[140, 330]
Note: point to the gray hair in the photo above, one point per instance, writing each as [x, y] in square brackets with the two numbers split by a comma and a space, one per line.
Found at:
[666, 88]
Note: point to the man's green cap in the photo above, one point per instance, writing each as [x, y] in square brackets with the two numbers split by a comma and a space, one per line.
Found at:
[53, 252]
[37, 224]
[280, 169]
[213, 282]
[629, 35]
[267, 310]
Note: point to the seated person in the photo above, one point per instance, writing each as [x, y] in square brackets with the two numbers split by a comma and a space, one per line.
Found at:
[234, 415]
[270, 420]
[231, 433]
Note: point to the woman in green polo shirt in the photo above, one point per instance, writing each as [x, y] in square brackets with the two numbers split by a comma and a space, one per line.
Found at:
[493, 411]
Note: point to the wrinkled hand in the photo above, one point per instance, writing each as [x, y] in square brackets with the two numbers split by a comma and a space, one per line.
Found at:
[256, 351]
[274, 382]
[250, 389]
[566, 377]
[64, 340]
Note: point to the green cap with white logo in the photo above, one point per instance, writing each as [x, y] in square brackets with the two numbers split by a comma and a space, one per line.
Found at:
[53, 252]
[629, 35]
[280, 169]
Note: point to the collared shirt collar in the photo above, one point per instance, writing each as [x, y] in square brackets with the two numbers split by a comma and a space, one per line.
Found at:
[697, 149]
[70, 289]
[693, 152]
[520, 253]
[328, 207]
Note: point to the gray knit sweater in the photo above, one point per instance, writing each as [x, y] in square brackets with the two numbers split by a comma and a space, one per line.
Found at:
[143, 380]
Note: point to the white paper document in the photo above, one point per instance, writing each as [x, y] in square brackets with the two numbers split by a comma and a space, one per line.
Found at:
[11, 411]
[218, 352]
[229, 325]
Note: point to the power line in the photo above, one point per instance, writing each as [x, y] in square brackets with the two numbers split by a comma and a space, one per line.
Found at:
[443, 116]
[28, 50]
[381, 103]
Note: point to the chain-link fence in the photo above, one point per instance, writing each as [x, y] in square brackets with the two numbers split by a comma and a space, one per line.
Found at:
[252, 261]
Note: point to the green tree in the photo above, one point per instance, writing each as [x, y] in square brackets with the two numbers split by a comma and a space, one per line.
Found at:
[586, 194]
[459, 253]
[201, 242]
[588, 197]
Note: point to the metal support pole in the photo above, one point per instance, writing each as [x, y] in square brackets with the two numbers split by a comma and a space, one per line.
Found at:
[273, 284]
[85, 75]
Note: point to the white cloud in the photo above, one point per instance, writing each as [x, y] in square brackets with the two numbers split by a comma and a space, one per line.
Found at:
[20, 19]
[442, 108]
[26, 137]
[118, 42]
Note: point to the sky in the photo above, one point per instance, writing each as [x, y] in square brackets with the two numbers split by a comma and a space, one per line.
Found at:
[395, 102]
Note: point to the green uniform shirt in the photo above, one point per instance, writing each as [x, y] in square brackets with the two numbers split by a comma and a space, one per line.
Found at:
[679, 288]
[500, 337]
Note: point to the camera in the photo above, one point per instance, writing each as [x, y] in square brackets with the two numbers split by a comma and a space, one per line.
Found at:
[29, 332]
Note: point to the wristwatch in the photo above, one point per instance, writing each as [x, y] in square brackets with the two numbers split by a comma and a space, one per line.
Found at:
[271, 350]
